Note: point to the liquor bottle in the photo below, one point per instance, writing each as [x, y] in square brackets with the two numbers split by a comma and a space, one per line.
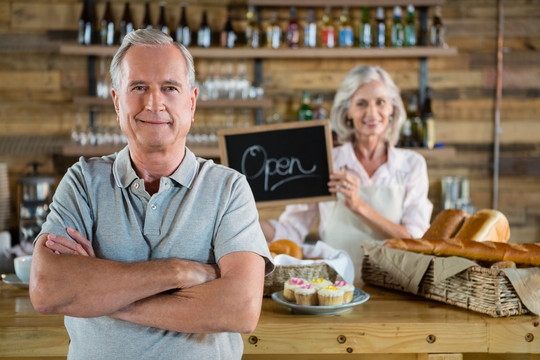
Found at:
[106, 29]
[310, 30]
[253, 31]
[397, 32]
[273, 33]
[380, 29]
[126, 24]
[364, 30]
[183, 32]
[410, 27]
[293, 31]
[417, 128]
[405, 138]
[319, 112]
[328, 30]
[147, 20]
[428, 121]
[437, 32]
[346, 34]
[204, 35]
[228, 36]
[305, 112]
[86, 24]
[162, 20]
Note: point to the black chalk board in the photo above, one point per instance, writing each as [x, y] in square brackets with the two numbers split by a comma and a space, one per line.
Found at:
[283, 163]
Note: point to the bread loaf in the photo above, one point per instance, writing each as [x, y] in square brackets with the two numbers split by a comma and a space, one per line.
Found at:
[287, 247]
[485, 225]
[446, 224]
[527, 254]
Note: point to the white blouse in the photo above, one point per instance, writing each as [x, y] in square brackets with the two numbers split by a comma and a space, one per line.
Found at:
[405, 167]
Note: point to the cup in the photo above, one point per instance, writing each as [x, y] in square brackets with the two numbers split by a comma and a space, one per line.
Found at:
[22, 266]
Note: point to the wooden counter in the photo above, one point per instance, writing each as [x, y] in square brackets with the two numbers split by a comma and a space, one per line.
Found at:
[390, 324]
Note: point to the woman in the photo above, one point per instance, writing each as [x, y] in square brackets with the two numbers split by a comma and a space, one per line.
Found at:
[381, 190]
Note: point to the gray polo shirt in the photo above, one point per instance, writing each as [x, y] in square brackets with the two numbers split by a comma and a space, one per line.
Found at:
[201, 212]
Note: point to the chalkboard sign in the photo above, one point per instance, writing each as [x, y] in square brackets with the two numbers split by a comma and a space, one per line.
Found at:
[283, 163]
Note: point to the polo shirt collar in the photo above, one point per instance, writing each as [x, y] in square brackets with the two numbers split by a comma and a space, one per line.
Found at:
[124, 174]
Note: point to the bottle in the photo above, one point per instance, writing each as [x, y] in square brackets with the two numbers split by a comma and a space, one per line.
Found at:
[147, 20]
[405, 139]
[183, 32]
[328, 30]
[293, 31]
[380, 29]
[106, 29]
[397, 32]
[437, 32]
[410, 27]
[126, 24]
[228, 36]
[305, 112]
[253, 31]
[364, 30]
[273, 33]
[86, 24]
[319, 112]
[346, 34]
[428, 121]
[204, 36]
[310, 30]
[162, 21]
[417, 128]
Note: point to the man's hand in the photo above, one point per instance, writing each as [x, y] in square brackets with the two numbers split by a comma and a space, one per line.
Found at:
[62, 245]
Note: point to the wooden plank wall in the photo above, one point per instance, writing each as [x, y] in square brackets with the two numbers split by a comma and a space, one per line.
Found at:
[38, 84]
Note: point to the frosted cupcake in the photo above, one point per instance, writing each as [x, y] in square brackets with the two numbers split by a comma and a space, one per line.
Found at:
[290, 285]
[330, 296]
[320, 283]
[306, 295]
[348, 290]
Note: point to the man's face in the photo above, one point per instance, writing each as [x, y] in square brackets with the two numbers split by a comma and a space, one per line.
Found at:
[154, 103]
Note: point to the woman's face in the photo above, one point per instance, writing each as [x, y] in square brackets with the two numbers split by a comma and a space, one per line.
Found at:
[370, 110]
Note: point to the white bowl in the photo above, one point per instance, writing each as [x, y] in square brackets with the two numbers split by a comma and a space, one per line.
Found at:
[22, 267]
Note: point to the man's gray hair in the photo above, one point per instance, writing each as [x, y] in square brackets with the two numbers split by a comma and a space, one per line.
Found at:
[357, 77]
[148, 37]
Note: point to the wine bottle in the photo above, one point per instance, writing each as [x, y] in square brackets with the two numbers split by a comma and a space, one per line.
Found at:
[253, 30]
[106, 30]
[183, 32]
[346, 34]
[380, 29]
[410, 27]
[293, 30]
[273, 33]
[428, 121]
[162, 20]
[397, 32]
[364, 32]
[86, 24]
[305, 112]
[147, 20]
[310, 30]
[204, 35]
[417, 128]
[437, 32]
[126, 24]
[328, 29]
[228, 36]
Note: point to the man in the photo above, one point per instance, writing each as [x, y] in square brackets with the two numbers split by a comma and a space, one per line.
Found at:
[152, 252]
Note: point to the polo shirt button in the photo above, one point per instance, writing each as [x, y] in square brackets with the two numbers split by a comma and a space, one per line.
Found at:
[136, 185]
[153, 207]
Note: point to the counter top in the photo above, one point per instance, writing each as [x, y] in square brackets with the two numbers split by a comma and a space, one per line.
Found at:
[388, 323]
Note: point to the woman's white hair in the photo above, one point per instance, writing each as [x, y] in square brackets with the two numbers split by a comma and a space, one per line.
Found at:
[148, 37]
[356, 78]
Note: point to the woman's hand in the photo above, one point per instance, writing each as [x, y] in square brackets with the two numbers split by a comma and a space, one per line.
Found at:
[347, 184]
[62, 245]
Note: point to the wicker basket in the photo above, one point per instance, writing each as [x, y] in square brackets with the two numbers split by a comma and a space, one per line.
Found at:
[479, 289]
[274, 281]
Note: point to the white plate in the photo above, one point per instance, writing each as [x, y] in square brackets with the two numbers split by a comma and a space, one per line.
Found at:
[359, 297]
[12, 279]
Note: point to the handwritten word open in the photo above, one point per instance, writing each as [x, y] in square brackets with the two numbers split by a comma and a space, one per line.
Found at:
[286, 168]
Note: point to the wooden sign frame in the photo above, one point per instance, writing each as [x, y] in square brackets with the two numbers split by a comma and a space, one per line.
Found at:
[317, 180]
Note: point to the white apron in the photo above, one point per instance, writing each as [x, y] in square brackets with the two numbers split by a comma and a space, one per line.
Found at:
[344, 230]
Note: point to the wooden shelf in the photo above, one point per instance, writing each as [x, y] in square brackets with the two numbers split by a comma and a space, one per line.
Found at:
[263, 53]
[334, 3]
[201, 104]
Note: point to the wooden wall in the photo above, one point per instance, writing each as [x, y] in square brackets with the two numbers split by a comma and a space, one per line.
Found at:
[38, 84]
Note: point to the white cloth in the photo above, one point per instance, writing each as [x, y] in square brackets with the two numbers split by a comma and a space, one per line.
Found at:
[404, 167]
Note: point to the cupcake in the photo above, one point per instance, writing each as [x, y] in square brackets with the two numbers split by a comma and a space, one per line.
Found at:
[348, 290]
[330, 296]
[306, 295]
[289, 287]
[320, 283]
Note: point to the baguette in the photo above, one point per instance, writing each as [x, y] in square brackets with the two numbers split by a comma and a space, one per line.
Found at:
[485, 225]
[527, 254]
[446, 224]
